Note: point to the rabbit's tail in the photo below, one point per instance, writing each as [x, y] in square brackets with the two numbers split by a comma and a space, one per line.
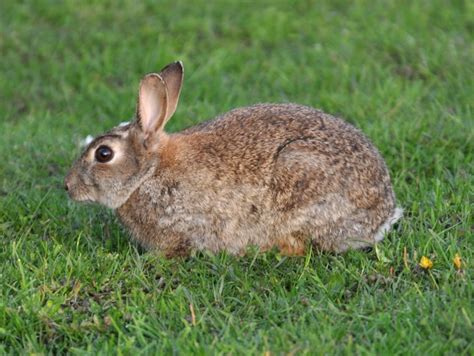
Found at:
[387, 225]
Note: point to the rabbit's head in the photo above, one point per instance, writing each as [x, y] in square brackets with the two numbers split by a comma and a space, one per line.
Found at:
[114, 164]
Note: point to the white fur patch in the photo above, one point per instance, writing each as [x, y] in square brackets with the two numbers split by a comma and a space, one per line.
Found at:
[387, 225]
[85, 141]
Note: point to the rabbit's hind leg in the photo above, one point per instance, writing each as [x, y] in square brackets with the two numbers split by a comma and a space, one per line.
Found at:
[350, 232]
[361, 229]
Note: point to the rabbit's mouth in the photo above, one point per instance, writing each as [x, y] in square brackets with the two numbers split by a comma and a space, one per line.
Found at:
[78, 193]
[80, 196]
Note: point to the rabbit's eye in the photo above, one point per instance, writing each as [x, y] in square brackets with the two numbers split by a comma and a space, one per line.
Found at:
[104, 154]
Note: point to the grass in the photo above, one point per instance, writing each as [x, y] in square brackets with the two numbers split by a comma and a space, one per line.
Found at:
[70, 279]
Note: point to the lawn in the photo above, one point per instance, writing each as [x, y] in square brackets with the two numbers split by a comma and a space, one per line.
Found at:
[72, 281]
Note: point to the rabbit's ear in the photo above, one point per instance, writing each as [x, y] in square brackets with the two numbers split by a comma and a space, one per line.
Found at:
[152, 104]
[172, 74]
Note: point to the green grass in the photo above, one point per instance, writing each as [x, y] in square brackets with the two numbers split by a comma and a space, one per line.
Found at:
[70, 279]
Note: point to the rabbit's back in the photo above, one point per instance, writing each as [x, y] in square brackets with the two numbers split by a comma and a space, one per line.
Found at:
[277, 144]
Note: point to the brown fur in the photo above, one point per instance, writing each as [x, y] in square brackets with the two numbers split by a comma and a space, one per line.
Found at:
[281, 175]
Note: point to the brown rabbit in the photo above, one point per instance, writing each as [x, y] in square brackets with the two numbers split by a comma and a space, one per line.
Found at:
[268, 175]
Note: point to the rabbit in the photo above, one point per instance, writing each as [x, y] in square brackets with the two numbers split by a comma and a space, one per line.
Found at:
[269, 175]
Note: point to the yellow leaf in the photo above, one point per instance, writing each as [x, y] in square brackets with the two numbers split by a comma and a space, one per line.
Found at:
[457, 261]
[426, 263]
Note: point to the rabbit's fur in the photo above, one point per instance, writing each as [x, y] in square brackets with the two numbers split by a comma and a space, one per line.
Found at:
[269, 175]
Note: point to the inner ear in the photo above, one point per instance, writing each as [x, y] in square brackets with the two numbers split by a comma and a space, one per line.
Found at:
[152, 104]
